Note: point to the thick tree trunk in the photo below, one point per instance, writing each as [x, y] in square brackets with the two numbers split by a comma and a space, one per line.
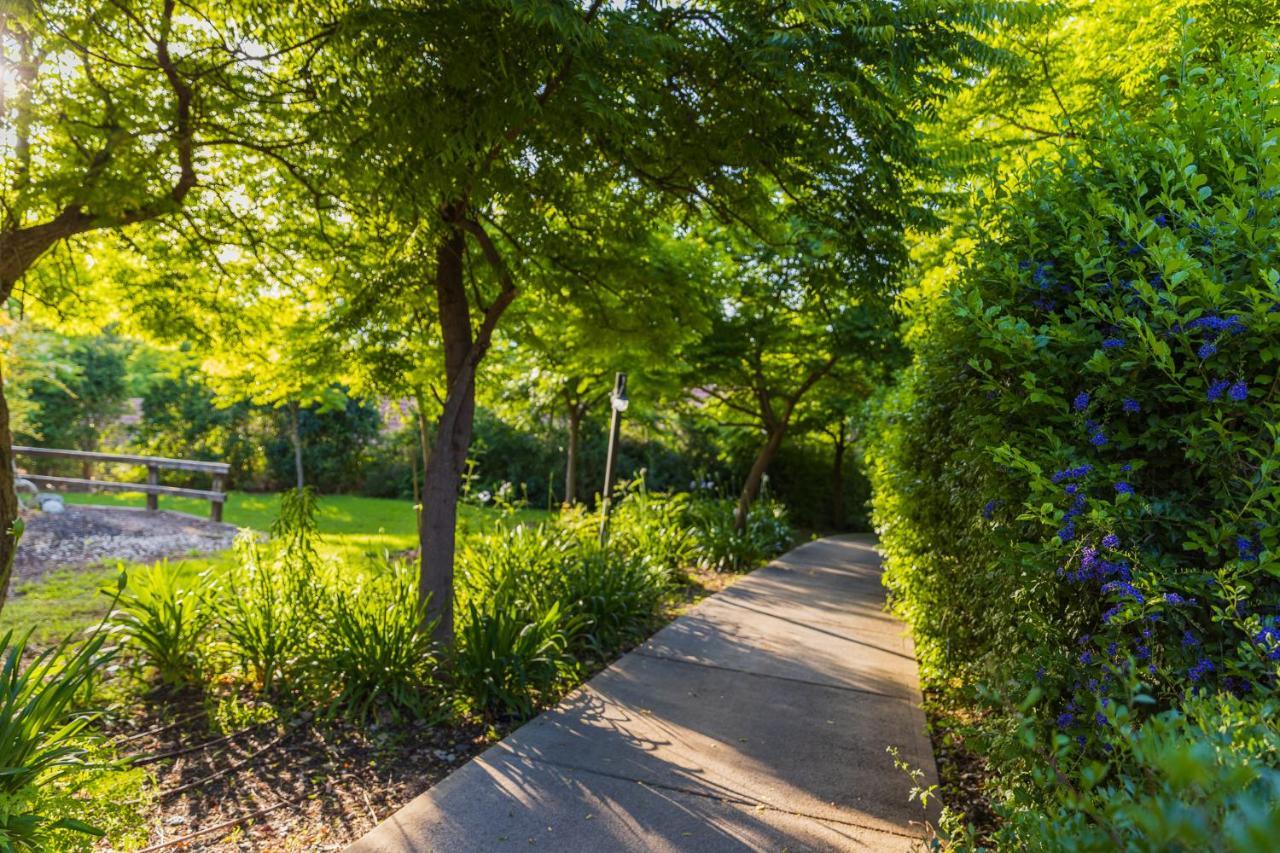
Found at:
[751, 488]
[8, 500]
[295, 436]
[571, 460]
[447, 459]
[837, 479]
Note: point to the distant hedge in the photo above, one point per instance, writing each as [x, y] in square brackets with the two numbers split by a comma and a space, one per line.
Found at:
[1076, 480]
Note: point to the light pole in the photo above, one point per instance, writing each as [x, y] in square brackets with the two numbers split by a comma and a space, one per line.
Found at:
[618, 403]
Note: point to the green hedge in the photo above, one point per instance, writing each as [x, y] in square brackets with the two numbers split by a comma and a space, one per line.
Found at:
[1076, 479]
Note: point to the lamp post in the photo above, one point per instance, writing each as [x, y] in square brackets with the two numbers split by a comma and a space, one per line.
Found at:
[618, 402]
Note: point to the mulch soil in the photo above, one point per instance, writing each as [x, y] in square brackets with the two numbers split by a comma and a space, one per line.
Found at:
[962, 772]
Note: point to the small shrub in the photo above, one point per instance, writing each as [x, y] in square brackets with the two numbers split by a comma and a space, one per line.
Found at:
[273, 594]
[617, 598]
[374, 655]
[267, 613]
[653, 526]
[505, 663]
[721, 547]
[165, 622]
[43, 740]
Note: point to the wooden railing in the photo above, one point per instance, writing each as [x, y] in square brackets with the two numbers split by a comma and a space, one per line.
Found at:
[216, 496]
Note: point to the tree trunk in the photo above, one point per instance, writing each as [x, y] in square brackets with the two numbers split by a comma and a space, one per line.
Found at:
[571, 461]
[837, 478]
[751, 488]
[447, 459]
[295, 436]
[8, 500]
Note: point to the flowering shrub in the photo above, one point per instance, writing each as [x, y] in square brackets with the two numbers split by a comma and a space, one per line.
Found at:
[1076, 480]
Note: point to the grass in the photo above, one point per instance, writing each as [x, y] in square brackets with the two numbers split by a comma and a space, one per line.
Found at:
[351, 527]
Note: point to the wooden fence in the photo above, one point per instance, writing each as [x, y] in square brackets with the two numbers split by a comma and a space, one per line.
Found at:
[216, 496]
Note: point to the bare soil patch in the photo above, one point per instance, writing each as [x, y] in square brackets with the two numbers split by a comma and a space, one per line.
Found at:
[84, 536]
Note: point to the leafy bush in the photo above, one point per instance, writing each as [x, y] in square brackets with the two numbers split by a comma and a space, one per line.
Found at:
[43, 738]
[536, 602]
[721, 547]
[374, 647]
[267, 615]
[1076, 480]
[166, 622]
[505, 663]
[653, 526]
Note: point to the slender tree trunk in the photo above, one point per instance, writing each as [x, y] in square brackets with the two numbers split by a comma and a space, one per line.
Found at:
[751, 488]
[447, 459]
[8, 500]
[295, 436]
[571, 460]
[837, 478]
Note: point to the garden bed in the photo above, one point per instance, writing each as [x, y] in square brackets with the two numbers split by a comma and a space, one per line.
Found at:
[302, 783]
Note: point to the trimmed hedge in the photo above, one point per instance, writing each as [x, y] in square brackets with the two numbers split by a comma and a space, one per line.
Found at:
[1076, 480]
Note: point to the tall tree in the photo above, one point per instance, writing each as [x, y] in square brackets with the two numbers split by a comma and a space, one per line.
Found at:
[488, 130]
[779, 335]
[112, 114]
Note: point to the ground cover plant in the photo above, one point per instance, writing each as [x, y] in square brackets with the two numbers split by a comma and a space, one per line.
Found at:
[1075, 481]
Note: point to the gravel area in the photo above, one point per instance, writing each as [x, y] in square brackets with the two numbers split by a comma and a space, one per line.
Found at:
[90, 535]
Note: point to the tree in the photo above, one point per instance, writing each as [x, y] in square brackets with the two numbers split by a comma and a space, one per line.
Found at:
[112, 115]
[777, 338]
[637, 305]
[73, 410]
[487, 134]
[271, 361]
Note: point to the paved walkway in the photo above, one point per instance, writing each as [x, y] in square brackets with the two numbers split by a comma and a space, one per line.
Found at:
[758, 721]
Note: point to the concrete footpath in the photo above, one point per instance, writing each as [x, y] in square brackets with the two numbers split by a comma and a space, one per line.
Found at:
[758, 721]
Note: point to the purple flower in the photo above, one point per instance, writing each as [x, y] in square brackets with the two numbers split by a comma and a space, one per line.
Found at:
[1130, 405]
[1174, 598]
[1161, 220]
[1111, 540]
[1112, 343]
[1124, 588]
[1239, 391]
[1207, 349]
[1216, 389]
[1197, 672]
[1065, 720]
[1124, 488]
[1081, 401]
[1248, 548]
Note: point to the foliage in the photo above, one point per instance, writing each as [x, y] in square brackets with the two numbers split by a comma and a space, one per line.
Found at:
[335, 442]
[43, 738]
[166, 620]
[77, 407]
[723, 547]
[1203, 777]
[514, 630]
[373, 654]
[1074, 481]
[268, 614]
[181, 419]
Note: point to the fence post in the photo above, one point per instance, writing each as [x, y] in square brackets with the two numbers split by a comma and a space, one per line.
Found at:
[153, 479]
[215, 507]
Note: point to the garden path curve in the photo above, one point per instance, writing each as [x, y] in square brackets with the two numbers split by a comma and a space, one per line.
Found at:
[758, 721]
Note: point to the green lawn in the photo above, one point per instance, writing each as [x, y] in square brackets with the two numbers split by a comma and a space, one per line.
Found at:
[351, 528]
